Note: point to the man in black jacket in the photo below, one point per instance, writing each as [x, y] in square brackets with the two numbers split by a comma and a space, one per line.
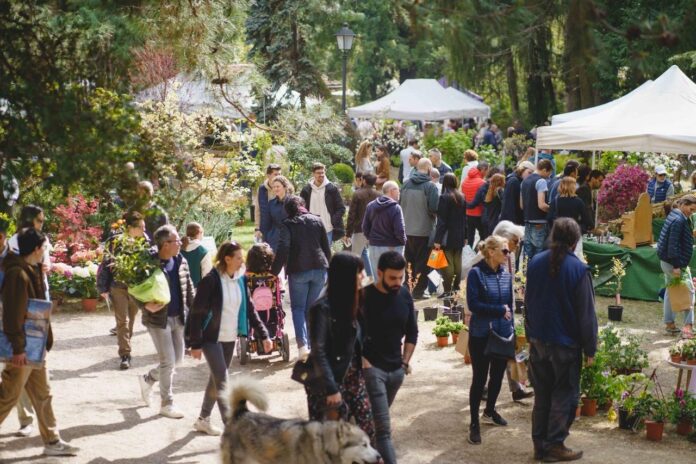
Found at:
[389, 318]
[322, 198]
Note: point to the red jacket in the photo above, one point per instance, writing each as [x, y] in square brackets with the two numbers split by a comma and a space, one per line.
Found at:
[474, 180]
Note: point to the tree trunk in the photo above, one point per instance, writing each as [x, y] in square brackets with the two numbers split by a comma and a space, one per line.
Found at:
[578, 56]
[512, 84]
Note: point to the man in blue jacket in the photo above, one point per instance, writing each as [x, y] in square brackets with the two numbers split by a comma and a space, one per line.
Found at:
[674, 248]
[561, 325]
[383, 224]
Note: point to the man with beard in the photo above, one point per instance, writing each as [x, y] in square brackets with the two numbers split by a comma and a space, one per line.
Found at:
[389, 318]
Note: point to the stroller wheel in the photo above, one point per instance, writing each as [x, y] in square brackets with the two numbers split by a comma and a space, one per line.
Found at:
[243, 350]
[285, 348]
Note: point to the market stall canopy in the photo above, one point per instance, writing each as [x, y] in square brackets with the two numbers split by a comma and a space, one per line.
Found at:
[661, 118]
[565, 117]
[472, 107]
[418, 100]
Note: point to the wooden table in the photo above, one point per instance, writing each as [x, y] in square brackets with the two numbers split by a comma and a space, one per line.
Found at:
[690, 383]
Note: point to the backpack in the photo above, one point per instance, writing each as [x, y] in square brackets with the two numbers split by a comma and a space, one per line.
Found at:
[262, 296]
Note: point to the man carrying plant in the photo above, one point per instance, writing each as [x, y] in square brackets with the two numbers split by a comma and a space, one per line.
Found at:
[323, 199]
[21, 283]
[165, 323]
[561, 325]
[389, 318]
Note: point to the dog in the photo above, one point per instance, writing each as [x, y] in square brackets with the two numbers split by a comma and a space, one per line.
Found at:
[257, 438]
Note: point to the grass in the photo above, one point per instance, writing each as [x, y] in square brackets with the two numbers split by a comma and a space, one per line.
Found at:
[244, 235]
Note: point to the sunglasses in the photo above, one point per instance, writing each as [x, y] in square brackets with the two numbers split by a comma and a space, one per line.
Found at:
[505, 251]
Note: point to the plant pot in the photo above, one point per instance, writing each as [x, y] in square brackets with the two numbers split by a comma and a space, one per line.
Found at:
[430, 313]
[675, 358]
[442, 341]
[627, 421]
[455, 337]
[519, 305]
[654, 430]
[467, 359]
[589, 407]
[89, 305]
[684, 427]
[606, 406]
[455, 316]
[691, 362]
[615, 313]
[520, 341]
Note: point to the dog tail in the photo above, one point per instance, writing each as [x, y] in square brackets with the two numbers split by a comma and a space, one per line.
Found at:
[242, 389]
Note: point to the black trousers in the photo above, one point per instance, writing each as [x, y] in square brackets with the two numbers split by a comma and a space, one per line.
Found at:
[555, 373]
[474, 223]
[483, 367]
[416, 254]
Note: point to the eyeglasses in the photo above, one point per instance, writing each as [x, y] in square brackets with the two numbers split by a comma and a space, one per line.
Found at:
[505, 251]
[177, 241]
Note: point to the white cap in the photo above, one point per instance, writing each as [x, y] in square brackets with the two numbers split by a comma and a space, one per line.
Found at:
[660, 170]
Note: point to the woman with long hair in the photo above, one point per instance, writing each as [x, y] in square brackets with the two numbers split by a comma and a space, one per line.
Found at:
[221, 312]
[335, 333]
[568, 204]
[450, 231]
[282, 188]
[488, 296]
[363, 163]
[383, 167]
[493, 202]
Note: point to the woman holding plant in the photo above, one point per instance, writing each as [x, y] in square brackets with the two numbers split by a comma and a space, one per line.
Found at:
[675, 248]
[488, 295]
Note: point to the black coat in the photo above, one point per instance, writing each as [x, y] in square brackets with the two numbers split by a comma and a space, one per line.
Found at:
[303, 245]
[334, 205]
[334, 345]
[451, 220]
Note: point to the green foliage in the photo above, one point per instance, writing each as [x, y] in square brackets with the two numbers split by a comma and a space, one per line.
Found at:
[342, 173]
[622, 351]
[451, 144]
[7, 225]
[132, 261]
[442, 330]
[681, 406]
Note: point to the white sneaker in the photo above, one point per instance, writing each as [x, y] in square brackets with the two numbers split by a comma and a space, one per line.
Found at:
[171, 412]
[25, 431]
[204, 426]
[145, 389]
[60, 448]
[302, 353]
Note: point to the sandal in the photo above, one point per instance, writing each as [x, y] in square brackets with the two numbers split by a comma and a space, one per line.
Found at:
[671, 329]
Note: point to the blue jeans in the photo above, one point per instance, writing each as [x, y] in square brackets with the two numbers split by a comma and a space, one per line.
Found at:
[668, 313]
[382, 387]
[534, 238]
[376, 251]
[304, 290]
[329, 235]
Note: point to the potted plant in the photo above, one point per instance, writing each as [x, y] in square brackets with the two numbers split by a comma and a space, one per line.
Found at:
[86, 288]
[655, 420]
[520, 284]
[442, 332]
[520, 335]
[592, 383]
[689, 352]
[618, 272]
[675, 352]
[635, 387]
[681, 411]
[623, 352]
[455, 328]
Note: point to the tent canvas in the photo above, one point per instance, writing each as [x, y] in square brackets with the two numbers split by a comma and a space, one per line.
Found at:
[471, 107]
[659, 119]
[414, 99]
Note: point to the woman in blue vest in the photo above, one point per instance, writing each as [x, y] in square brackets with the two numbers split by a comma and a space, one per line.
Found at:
[674, 248]
[221, 309]
[488, 295]
[659, 187]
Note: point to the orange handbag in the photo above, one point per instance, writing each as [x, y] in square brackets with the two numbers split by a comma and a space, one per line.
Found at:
[437, 259]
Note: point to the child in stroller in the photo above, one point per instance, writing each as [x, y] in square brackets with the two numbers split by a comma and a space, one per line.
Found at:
[264, 288]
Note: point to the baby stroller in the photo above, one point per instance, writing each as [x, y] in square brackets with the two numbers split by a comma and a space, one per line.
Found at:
[265, 294]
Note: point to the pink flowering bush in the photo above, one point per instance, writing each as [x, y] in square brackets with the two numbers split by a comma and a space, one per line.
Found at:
[620, 191]
[75, 235]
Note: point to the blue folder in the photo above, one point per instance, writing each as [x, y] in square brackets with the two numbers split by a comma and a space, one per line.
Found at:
[36, 333]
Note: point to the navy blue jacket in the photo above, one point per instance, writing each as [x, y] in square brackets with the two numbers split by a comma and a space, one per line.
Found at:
[451, 220]
[676, 243]
[272, 221]
[383, 224]
[487, 293]
[560, 309]
[511, 209]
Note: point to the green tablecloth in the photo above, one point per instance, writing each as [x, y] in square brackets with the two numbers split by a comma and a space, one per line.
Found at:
[643, 279]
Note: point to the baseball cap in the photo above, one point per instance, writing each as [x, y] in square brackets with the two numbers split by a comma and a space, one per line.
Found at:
[526, 165]
[660, 170]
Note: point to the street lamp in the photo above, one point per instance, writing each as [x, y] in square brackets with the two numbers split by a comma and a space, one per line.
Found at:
[345, 37]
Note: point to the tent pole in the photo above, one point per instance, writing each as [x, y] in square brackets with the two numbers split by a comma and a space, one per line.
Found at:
[593, 158]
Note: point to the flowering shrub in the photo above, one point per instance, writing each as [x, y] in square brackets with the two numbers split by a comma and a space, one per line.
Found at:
[74, 281]
[620, 191]
[74, 232]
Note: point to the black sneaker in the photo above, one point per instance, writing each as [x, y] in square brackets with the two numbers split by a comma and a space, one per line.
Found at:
[493, 419]
[474, 434]
[113, 331]
[125, 362]
[520, 395]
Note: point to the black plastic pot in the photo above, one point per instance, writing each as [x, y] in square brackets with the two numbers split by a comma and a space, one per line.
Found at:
[454, 315]
[626, 421]
[430, 313]
[519, 306]
[615, 313]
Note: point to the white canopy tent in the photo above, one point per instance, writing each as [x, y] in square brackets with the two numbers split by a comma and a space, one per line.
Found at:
[418, 99]
[565, 117]
[471, 106]
[661, 118]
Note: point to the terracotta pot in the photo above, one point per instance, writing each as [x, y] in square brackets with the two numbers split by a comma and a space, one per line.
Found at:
[442, 341]
[691, 362]
[676, 358]
[455, 336]
[654, 430]
[467, 359]
[589, 407]
[89, 305]
[684, 427]
[578, 411]
[521, 341]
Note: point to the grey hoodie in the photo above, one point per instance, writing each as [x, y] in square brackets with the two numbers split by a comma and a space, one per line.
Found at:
[419, 199]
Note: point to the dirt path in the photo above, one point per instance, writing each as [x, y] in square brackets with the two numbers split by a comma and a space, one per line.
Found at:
[99, 409]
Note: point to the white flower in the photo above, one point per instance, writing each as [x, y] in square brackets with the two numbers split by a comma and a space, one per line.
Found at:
[81, 271]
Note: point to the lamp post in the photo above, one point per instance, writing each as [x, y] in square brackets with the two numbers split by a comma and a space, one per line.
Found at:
[345, 37]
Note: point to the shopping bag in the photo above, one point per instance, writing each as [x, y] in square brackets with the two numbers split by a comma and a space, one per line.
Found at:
[679, 297]
[518, 371]
[469, 258]
[154, 289]
[462, 346]
[437, 259]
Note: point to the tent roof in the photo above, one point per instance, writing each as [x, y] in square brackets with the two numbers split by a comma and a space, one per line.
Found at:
[660, 118]
[565, 117]
[472, 107]
[416, 99]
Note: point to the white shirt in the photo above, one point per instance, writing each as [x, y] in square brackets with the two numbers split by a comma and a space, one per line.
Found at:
[231, 302]
[317, 204]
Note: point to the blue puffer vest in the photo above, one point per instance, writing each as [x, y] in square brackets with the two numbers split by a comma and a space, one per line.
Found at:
[487, 293]
[659, 194]
[676, 243]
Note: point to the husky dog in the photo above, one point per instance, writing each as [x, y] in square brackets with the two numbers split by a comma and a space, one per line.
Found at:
[257, 438]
